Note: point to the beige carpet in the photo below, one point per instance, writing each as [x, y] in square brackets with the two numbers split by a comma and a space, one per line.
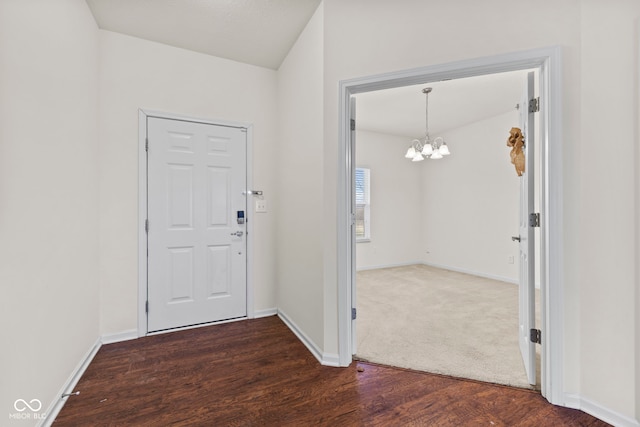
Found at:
[440, 321]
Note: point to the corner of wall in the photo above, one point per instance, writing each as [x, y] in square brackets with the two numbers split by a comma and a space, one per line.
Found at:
[299, 251]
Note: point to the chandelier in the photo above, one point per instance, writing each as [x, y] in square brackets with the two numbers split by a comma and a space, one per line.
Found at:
[433, 149]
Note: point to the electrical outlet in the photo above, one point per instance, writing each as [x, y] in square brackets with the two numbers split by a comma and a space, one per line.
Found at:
[510, 259]
[261, 206]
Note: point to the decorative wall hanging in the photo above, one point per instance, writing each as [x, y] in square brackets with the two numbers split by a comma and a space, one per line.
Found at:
[516, 141]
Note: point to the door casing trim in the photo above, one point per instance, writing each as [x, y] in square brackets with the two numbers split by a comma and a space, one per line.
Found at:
[548, 60]
[143, 115]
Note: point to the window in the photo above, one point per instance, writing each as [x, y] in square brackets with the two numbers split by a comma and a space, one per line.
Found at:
[363, 220]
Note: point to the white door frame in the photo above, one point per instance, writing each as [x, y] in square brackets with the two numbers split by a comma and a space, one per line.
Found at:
[548, 60]
[143, 115]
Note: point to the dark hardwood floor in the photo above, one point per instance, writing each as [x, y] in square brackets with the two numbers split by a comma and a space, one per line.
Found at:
[257, 373]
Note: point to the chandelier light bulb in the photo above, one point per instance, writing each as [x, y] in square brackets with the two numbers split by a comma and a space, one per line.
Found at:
[411, 153]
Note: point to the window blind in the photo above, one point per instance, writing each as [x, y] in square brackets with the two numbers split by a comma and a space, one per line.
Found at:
[362, 186]
[362, 223]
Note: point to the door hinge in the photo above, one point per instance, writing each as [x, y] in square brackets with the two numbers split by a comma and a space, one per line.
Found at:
[535, 335]
[534, 105]
[353, 219]
[146, 145]
[534, 220]
[146, 225]
[353, 313]
[353, 124]
[146, 306]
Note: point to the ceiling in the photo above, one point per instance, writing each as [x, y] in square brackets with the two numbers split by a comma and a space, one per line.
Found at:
[452, 103]
[261, 33]
[257, 32]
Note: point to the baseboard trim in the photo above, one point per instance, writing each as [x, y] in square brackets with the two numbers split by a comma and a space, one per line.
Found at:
[324, 359]
[69, 385]
[444, 267]
[131, 334]
[377, 267]
[308, 342]
[593, 408]
[471, 272]
[265, 313]
[331, 359]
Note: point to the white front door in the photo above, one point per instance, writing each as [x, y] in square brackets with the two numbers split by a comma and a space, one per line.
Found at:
[196, 244]
[526, 293]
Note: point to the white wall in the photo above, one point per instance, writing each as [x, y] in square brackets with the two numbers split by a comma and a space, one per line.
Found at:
[396, 201]
[458, 213]
[609, 51]
[300, 173]
[134, 74]
[48, 197]
[599, 42]
[471, 201]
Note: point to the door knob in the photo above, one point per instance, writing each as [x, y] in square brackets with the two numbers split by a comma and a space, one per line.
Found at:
[238, 233]
[515, 238]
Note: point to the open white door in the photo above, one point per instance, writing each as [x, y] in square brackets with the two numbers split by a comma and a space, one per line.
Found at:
[196, 231]
[526, 293]
[352, 162]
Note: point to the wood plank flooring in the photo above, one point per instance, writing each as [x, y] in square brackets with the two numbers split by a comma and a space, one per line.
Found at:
[257, 373]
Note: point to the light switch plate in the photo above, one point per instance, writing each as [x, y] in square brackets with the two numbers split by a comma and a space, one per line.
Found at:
[261, 206]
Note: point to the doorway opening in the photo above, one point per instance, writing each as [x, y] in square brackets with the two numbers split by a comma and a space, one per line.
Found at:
[548, 62]
[437, 276]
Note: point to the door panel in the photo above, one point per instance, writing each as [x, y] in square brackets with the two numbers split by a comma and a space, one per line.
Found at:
[218, 271]
[196, 261]
[526, 291]
[218, 180]
[180, 194]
